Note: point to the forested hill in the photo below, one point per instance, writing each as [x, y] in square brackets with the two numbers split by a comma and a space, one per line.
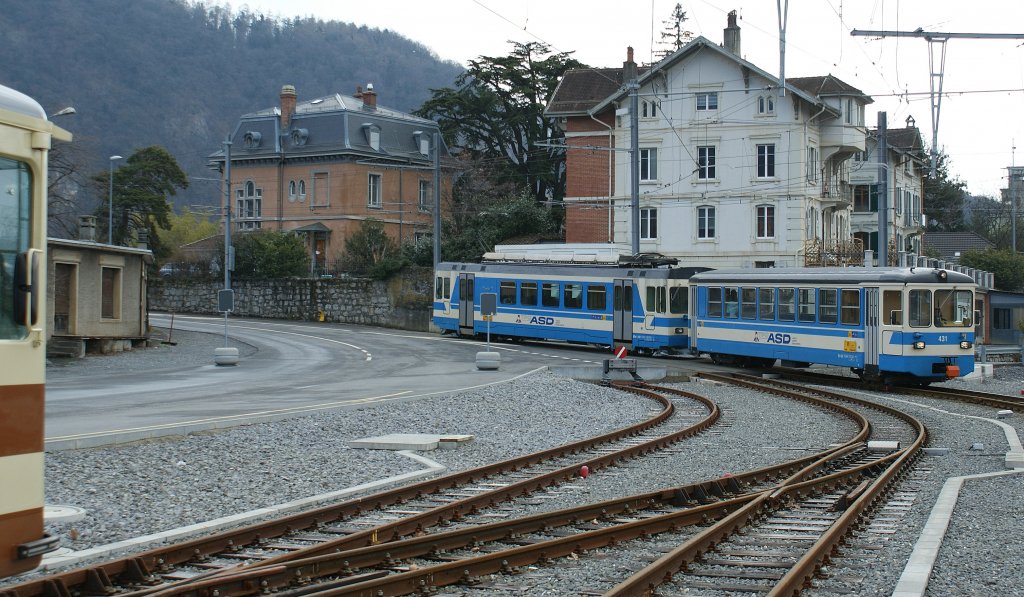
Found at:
[178, 74]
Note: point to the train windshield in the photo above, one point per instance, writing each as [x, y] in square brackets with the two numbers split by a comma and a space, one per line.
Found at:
[15, 220]
[953, 308]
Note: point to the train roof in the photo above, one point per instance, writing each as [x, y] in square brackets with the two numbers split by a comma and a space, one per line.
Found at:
[16, 101]
[835, 275]
[571, 270]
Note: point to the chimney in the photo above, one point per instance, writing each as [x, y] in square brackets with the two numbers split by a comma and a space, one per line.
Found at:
[369, 97]
[629, 67]
[287, 105]
[732, 35]
[87, 228]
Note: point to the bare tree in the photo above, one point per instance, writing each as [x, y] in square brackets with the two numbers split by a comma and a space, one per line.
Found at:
[66, 189]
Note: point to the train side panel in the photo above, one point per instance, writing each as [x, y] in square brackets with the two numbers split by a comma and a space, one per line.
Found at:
[25, 137]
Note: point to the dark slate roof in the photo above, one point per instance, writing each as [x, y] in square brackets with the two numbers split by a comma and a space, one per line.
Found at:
[330, 125]
[826, 86]
[906, 139]
[583, 88]
[948, 244]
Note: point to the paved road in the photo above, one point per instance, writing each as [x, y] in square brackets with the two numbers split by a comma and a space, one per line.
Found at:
[296, 367]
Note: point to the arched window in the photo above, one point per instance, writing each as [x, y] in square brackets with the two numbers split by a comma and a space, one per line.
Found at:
[291, 190]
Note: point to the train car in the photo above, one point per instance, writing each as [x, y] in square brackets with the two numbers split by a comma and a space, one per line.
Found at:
[886, 324]
[642, 307]
[25, 136]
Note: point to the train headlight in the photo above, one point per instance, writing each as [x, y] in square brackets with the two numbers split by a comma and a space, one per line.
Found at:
[965, 344]
[919, 345]
[680, 330]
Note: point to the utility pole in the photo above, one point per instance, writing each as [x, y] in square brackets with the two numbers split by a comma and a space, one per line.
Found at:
[634, 165]
[437, 199]
[883, 192]
[936, 45]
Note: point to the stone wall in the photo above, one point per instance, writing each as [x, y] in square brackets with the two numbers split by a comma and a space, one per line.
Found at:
[402, 302]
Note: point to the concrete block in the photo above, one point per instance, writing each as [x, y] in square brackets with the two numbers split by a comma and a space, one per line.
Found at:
[883, 446]
[410, 441]
[225, 356]
[936, 451]
[1003, 414]
[488, 360]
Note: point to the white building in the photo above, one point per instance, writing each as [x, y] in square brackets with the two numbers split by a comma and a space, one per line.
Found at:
[733, 171]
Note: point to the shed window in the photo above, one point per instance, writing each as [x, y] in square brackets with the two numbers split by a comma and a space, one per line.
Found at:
[110, 307]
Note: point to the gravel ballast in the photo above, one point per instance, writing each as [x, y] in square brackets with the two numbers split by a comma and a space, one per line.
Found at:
[149, 487]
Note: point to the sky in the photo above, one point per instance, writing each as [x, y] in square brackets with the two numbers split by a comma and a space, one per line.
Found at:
[981, 114]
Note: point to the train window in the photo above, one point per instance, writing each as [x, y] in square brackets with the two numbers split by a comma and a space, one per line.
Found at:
[439, 286]
[549, 294]
[507, 292]
[766, 303]
[656, 299]
[678, 299]
[572, 296]
[849, 307]
[953, 308]
[786, 304]
[597, 298]
[806, 304]
[892, 307]
[732, 302]
[828, 305]
[748, 303]
[528, 293]
[15, 217]
[920, 308]
[714, 302]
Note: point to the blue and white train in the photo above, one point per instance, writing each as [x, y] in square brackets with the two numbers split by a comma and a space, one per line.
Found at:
[641, 307]
[885, 324]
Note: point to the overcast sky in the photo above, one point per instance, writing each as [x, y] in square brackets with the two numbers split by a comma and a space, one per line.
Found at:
[982, 112]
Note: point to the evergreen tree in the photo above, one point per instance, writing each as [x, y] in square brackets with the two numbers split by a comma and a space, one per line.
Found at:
[944, 199]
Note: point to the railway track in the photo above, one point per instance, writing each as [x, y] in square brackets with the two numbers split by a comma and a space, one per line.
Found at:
[958, 394]
[425, 563]
[374, 519]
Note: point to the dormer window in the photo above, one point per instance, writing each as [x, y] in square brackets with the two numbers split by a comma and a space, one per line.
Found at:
[422, 142]
[299, 137]
[372, 133]
[252, 139]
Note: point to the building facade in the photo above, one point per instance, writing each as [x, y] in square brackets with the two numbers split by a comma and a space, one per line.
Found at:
[322, 167]
[733, 170]
[904, 166]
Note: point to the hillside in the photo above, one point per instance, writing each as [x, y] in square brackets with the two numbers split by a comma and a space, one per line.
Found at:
[178, 74]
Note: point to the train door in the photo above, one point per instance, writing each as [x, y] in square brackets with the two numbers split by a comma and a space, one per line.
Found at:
[872, 335]
[467, 295]
[622, 312]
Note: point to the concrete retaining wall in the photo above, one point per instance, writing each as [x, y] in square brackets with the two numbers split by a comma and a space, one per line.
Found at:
[402, 302]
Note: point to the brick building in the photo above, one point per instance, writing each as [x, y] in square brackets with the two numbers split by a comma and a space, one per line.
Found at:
[321, 167]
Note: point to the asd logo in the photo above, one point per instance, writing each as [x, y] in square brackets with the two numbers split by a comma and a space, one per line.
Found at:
[542, 320]
[779, 338]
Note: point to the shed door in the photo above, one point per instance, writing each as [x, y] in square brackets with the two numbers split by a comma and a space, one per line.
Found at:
[872, 335]
[622, 312]
[63, 300]
[466, 296]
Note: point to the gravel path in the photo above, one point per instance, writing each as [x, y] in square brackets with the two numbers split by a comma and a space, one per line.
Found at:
[147, 487]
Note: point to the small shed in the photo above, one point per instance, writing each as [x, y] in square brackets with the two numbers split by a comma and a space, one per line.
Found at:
[96, 297]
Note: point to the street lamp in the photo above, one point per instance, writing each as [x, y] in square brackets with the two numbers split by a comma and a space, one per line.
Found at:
[110, 203]
[64, 111]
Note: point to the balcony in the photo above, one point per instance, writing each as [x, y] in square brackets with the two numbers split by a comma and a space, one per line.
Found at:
[818, 253]
[836, 194]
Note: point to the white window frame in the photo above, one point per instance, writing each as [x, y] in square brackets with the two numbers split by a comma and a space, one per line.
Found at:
[648, 164]
[424, 195]
[706, 101]
[766, 160]
[648, 223]
[765, 105]
[706, 222]
[707, 162]
[812, 164]
[764, 228]
[374, 181]
[648, 109]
